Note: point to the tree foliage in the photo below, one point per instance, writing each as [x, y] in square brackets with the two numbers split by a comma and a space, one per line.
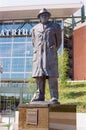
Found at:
[63, 67]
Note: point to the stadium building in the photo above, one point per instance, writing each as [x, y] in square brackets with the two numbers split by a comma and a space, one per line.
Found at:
[16, 48]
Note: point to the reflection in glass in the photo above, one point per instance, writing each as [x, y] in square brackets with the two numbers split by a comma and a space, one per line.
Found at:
[18, 65]
[19, 49]
[6, 64]
[5, 76]
[18, 76]
[7, 26]
[29, 51]
[28, 75]
[5, 50]
[29, 65]
[19, 39]
[5, 39]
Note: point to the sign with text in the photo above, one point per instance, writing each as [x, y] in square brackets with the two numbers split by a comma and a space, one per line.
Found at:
[32, 116]
[14, 32]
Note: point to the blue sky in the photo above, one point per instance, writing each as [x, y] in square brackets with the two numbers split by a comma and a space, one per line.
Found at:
[36, 2]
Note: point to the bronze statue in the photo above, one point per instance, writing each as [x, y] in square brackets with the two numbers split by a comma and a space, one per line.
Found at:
[46, 39]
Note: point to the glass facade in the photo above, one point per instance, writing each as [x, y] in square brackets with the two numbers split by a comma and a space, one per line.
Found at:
[16, 50]
[16, 58]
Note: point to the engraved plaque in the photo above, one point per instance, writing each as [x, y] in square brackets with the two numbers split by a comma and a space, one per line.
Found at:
[31, 116]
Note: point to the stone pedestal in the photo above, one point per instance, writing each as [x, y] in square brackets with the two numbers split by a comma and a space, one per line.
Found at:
[42, 116]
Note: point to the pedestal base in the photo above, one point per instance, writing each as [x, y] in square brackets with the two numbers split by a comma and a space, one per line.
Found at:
[42, 116]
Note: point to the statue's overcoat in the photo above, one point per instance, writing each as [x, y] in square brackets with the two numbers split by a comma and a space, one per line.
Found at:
[46, 41]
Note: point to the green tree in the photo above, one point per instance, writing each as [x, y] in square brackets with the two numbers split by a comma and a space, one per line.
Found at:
[63, 67]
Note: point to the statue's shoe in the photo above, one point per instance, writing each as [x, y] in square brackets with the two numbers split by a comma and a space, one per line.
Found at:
[37, 97]
[54, 101]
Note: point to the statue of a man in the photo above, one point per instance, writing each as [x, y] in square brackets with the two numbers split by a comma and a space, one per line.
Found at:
[46, 39]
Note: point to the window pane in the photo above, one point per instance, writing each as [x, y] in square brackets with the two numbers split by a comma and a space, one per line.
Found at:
[6, 64]
[19, 49]
[5, 39]
[7, 26]
[5, 50]
[5, 76]
[28, 64]
[18, 65]
[29, 39]
[28, 75]
[19, 39]
[17, 76]
[29, 51]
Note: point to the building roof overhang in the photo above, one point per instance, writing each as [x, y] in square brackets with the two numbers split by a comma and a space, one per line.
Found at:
[31, 11]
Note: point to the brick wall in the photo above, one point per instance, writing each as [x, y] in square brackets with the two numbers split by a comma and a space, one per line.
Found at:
[79, 48]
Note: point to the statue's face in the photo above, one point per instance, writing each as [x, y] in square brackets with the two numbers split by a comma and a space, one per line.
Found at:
[44, 18]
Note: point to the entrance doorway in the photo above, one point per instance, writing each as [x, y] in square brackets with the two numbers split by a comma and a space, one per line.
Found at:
[8, 103]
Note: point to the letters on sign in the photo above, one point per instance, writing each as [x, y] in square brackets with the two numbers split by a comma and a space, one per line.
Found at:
[32, 116]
